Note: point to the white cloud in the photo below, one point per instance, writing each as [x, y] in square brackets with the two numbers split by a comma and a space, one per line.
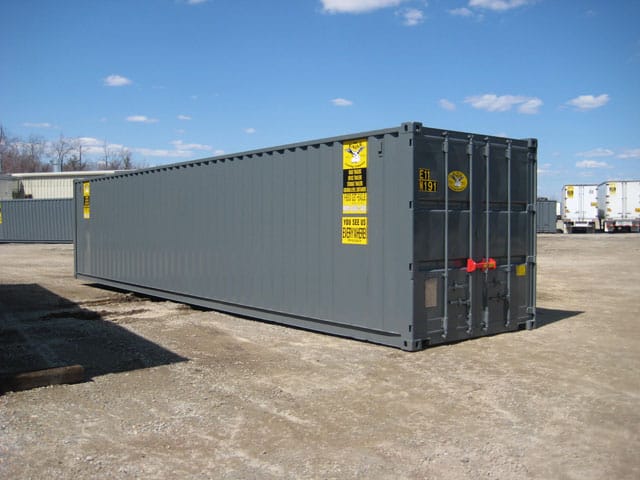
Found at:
[596, 152]
[180, 150]
[412, 16]
[545, 169]
[141, 119]
[341, 102]
[180, 145]
[446, 104]
[495, 103]
[589, 102]
[184, 117]
[250, 130]
[591, 164]
[37, 125]
[531, 106]
[357, 6]
[162, 152]
[499, 5]
[461, 12]
[91, 145]
[632, 153]
[116, 81]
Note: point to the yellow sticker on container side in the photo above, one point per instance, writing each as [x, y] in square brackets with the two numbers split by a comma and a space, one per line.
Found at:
[0, 214]
[457, 181]
[354, 203]
[355, 230]
[521, 270]
[569, 191]
[612, 188]
[86, 204]
[354, 154]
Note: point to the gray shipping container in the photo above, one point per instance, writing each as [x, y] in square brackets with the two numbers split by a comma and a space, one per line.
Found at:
[37, 221]
[546, 216]
[409, 236]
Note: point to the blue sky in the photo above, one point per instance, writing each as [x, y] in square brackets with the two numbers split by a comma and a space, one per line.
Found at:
[175, 80]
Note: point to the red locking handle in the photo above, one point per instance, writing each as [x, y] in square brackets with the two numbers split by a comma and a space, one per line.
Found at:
[483, 265]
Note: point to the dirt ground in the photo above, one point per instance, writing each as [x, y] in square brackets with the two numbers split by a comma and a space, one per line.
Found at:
[178, 392]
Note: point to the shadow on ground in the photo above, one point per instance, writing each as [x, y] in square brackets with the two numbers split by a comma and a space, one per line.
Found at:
[546, 316]
[41, 330]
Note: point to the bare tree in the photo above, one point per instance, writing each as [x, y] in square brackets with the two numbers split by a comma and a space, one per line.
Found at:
[17, 155]
[3, 139]
[126, 159]
[109, 159]
[75, 162]
[59, 150]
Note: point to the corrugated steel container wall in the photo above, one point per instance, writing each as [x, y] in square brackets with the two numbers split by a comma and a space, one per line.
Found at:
[546, 216]
[38, 221]
[270, 234]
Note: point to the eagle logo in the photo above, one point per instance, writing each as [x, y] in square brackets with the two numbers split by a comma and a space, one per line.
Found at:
[355, 154]
[457, 181]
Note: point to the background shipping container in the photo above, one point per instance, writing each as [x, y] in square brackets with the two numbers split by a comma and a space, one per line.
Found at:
[546, 217]
[408, 236]
[37, 221]
[619, 205]
[579, 206]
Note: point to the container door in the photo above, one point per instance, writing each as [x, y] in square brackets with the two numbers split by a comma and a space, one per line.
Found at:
[475, 238]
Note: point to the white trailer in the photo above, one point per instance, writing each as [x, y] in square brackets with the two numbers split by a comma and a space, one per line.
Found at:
[579, 208]
[619, 205]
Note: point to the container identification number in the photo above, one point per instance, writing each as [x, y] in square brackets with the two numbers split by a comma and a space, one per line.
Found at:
[425, 183]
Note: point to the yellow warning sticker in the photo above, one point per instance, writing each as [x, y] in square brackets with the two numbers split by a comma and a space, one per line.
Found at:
[457, 181]
[612, 188]
[354, 177]
[521, 270]
[569, 191]
[354, 203]
[425, 182]
[355, 230]
[354, 154]
[0, 213]
[86, 205]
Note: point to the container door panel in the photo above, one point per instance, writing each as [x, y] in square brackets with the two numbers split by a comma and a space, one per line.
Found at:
[470, 235]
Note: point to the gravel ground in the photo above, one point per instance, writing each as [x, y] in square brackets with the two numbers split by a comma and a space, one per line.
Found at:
[178, 392]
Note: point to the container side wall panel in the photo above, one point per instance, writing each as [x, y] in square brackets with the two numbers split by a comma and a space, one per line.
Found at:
[260, 234]
[46, 221]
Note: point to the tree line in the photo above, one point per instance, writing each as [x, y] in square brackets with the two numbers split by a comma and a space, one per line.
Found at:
[36, 154]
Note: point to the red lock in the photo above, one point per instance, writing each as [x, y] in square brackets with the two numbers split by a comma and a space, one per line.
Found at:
[483, 265]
